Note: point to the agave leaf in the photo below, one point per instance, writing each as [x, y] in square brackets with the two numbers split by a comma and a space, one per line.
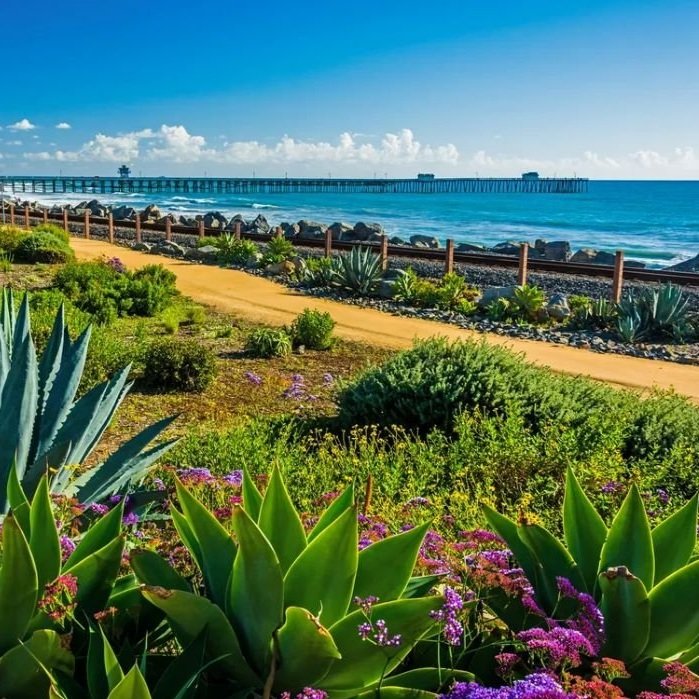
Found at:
[51, 357]
[43, 541]
[252, 500]
[429, 678]
[18, 503]
[153, 570]
[179, 681]
[384, 568]
[420, 585]
[306, 651]
[584, 530]
[103, 669]
[336, 508]
[190, 616]
[255, 601]
[96, 574]
[629, 542]
[99, 535]
[280, 522]
[674, 613]
[215, 545]
[18, 584]
[322, 578]
[674, 540]
[626, 611]
[24, 669]
[132, 686]
[364, 663]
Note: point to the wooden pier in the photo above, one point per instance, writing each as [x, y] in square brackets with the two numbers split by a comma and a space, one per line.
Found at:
[264, 185]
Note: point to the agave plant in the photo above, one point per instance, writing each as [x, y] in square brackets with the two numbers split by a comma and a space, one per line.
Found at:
[644, 579]
[281, 609]
[648, 312]
[42, 425]
[40, 592]
[360, 271]
[529, 301]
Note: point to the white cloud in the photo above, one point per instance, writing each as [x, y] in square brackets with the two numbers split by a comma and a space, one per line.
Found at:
[13, 143]
[175, 143]
[41, 155]
[22, 125]
[63, 125]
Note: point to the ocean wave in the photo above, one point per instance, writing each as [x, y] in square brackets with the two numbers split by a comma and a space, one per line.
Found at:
[255, 205]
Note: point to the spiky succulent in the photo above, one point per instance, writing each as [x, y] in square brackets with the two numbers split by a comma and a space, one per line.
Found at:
[360, 271]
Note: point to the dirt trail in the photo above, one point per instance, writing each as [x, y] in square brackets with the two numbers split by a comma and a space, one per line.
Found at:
[260, 299]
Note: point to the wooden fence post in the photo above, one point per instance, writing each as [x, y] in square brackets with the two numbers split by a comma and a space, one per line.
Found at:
[168, 229]
[65, 221]
[12, 214]
[87, 223]
[110, 226]
[138, 228]
[278, 232]
[523, 264]
[201, 227]
[328, 243]
[46, 215]
[449, 259]
[236, 230]
[383, 252]
[26, 217]
[618, 280]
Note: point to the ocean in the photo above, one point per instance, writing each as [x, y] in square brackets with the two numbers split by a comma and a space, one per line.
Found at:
[653, 222]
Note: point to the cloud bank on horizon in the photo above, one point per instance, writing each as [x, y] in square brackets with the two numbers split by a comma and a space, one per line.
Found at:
[351, 153]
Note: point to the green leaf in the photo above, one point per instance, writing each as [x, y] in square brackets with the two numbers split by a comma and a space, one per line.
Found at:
[256, 591]
[429, 678]
[179, 681]
[280, 522]
[421, 585]
[584, 530]
[44, 541]
[101, 533]
[674, 613]
[384, 568]
[252, 500]
[629, 542]
[18, 502]
[508, 530]
[191, 616]
[626, 611]
[555, 561]
[96, 575]
[306, 651]
[674, 540]
[322, 577]
[364, 663]
[216, 547]
[103, 669]
[336, 508]
[23, 668]
[18, 585]
[152, 569]
[133, 686]
[389, 692]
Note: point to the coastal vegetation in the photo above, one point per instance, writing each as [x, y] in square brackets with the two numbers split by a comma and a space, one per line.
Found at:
[326, 519]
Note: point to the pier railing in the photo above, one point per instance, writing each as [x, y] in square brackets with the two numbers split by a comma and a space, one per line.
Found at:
[19, 184]
[85, 224]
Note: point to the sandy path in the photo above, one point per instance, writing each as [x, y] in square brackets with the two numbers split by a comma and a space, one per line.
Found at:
[260, 299]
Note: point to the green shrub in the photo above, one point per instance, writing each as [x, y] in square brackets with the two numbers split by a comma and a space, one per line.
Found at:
[10, 237]
[278, 250]
[404, 285]
[6, 260]
[359, 272]
[317, 271]
[43, 247]
[236, 252]
[178, 365]
[54, 230]
[268, 342]
[208, 241]
[591, 314]
[313, 330]
[529, 302]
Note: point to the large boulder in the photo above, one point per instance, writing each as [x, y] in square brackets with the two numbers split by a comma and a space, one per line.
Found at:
[285, 268]
[167, 247]
[290, 230]
[215, 219]
[168, 217]
[259, 225]
[424, 241]
[469, 247]
[96, 209]
[496, 292]
[230, 226]
[395, 240]
[591, 256]
[151, 213]
[207, 253]
[341, 231]
[124, 213]
[367, 232]
[188, 221]
[557, 307]
[691, 265]
[309, 230]
[142, 247]
[508, 248]
[556, 251]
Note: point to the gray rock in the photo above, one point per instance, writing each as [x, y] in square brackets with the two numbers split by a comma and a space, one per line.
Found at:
[341, 231]
[168, 217]
[385, 289]
[142, 247]
[215, 219]
[508, 248]
[395, 240]
[290, 230]
[367, 231]
[206, 253]
[259, 226]
[556, 250]
[151, 213]
[496, 292]
[691, 265]
[167, 247]
[591, 256]
[95, 208]
[557, 307]
[283, 269]
[424, 241]
[469, 247]
[309, 230]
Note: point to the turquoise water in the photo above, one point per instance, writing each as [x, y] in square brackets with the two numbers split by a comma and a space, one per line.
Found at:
[656, 222]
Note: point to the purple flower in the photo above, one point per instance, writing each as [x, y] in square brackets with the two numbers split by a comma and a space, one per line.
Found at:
[253, 378]
[448, 616]
[328, 379]
[307, 693]
[364, 630]
[196, 476]
[158, 483]
[130, 519]
[116, 264]
[98, 509]
[366, 603]
[611, 487]
[663, 496]
[115, 499]
[558, 646]
[588, 620]
[234, 478]
[67, 547]
[418, 502]
[536, 686]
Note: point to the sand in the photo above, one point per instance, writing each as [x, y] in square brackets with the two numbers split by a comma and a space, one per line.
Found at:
[260, 300]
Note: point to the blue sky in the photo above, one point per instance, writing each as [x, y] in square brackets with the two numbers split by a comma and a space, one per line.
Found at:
[605, 88]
